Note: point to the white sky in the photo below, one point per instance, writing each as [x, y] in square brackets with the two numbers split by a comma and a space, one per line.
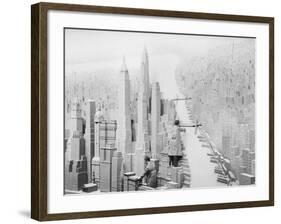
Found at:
[95, 50]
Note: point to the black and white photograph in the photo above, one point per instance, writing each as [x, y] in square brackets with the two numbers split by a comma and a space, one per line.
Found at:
[147, 111]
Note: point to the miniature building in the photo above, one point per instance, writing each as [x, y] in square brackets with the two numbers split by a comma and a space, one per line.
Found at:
[129, 161]
[243, 135]
[253, 170]
[246, 179]
[155, 119]
[226, 146]
[75, 159]
[177, 175]
[172, 185]
[76, 120]
[90, 136]
[90, 187]
[128, 186]
[245, 155]
[139, 161]
[124, 132]
[133, 183]
[249, 164]
[143, 102]
[116, 178]
[105, 137]
[76, 164]
[164, 164]
[142, 147]
[96, 160]
[252, 140]
[106, 154]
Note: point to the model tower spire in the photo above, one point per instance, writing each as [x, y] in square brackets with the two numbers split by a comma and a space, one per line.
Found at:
[143, 110]
[124, 133]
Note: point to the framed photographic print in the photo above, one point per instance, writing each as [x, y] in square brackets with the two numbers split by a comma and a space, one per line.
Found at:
[140, 111]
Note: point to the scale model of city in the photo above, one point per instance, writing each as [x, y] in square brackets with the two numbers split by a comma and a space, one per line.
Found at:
[151, 111]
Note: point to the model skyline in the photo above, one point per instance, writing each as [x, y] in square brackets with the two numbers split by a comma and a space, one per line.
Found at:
[125, 134]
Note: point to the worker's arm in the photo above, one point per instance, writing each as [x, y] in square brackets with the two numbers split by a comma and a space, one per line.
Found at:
[146, 172]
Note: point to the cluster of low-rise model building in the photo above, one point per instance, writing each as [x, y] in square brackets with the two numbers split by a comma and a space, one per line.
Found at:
[222, 87]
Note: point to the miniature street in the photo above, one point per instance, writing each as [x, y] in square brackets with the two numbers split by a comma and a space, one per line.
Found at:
[201, 169]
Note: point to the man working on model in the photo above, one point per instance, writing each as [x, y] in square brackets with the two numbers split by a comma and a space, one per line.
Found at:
[149, 173]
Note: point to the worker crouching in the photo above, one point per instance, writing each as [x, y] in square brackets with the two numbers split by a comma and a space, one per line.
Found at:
[150, 173]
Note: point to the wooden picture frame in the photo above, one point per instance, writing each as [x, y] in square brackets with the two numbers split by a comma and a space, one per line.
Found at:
[39, 110]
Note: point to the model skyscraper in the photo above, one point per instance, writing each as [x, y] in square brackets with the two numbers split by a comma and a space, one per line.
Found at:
[75, 160]
[143, 144]
[90, 136]
[124, 131]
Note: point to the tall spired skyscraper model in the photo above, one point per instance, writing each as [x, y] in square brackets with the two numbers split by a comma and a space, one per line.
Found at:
[142, 146]
[143, 103]
[124, 132]
[90, 136]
